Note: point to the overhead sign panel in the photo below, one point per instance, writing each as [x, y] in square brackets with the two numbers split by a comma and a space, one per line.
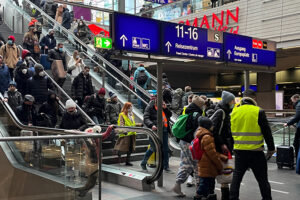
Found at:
[248, 50]
[193, 42]
[158, 1]
[137, 34]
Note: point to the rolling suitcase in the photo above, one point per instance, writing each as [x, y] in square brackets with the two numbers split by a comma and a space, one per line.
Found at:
[285, 154]
[44, 61]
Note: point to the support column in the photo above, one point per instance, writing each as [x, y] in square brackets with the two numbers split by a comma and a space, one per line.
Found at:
[159, 71]
[246, 79]
[121, 6]
[266, 90]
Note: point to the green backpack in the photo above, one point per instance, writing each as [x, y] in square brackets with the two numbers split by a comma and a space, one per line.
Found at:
[179, 128]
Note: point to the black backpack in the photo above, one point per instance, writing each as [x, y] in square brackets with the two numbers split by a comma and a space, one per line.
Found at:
[142, 78]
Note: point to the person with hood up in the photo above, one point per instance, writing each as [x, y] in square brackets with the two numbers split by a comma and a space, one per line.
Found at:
[142, 78]
[39, 84]
[112, 109]
[188, 166]
[66, 18]
[82, 86]
[72, 119]
[95, 106]
[51, 108]
[4, 76]
[26, 60]
[48, 42]
[222, 132]
[22, 74]
[177, 101]
[10, 54]
[30, 39]
[12, 96]
[26, 113]
[210, 164]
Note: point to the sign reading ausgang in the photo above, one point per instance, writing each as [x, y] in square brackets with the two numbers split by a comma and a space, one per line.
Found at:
[138, 34]
[243, 49]
[103, 43]
[188, 41]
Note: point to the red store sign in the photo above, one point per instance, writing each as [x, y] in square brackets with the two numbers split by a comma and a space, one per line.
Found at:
[216, 22]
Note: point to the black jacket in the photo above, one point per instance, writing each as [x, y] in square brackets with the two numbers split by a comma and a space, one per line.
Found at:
[225, 136]
[66, 19]
[26, 114]
[51, 108]
[150, 115]
[192, 121]
[95, 106]
[45, 41]
[14, 99]
[82, 86]
[167, 96]
[38, 87]
[55, 54]
[75, 121]
[263, 123]
[21, 79]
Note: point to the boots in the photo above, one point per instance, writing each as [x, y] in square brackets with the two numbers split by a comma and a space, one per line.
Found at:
[225, 193]
[211, 197]
[128, 160]
[177, 189]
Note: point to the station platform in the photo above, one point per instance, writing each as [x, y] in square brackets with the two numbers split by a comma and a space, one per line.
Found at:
[285, 185]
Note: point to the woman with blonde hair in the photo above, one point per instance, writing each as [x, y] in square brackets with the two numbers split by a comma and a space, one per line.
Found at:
[75, 65]
[126, 141]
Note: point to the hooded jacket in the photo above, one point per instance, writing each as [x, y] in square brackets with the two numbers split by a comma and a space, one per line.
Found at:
[10, 55]
[74, 121]
[210, 164]
[136, 74]
[296, 118]
[51, 108]
[21, 79]
[112, 111]
[38, 87]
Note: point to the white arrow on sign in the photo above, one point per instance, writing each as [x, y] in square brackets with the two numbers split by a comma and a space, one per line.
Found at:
[229, 53]
[107, 43]
[124, 38]
[168, 44]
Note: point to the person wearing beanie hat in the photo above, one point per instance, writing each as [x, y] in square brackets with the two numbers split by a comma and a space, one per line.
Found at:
[210, 164]
[95, 106]
[221, 131]
[38, 68]
[26, 112]
[12, 96]
[112, 109]
[251, 131]
[30, 39]
[11, 54]
[188, 166]
[48, 42]
[72, 119]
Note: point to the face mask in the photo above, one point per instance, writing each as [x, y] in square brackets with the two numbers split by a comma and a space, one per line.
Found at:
[10, 42]
[41, 73]
[24, 71]
[130, 109]
[80, 24]
[27, 58]
[77, 57]
[60, 49]
[231, 106]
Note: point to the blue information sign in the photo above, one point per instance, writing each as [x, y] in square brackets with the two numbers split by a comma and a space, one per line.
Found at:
[158, 1]
[187, 41]
[248, 50]
[132, 33]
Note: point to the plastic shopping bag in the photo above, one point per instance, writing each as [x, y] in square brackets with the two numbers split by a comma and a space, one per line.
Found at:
[227, 173]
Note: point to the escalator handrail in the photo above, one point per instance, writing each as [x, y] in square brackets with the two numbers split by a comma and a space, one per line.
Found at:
[51, 131]
[62, 91]
[87, 47]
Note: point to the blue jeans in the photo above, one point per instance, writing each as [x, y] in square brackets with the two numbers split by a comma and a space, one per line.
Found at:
[141, 104]
[206, 186]
[98, 120]
[153, 149]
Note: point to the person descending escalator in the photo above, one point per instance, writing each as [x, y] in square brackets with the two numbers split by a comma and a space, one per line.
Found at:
[48, 42]
[83, 34]
[187, 92]
[112, 109]
[75, 65]
[26, 112]
[22, 74]
[4, 76]
[13, 96]
[30, 40]
[66, 18]
[26, 60]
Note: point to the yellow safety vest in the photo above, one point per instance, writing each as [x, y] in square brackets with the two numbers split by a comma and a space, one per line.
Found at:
[128, 122]
[245, 129]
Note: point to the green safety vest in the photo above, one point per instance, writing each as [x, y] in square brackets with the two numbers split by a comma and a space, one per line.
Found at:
[128, 122]
[245, 129]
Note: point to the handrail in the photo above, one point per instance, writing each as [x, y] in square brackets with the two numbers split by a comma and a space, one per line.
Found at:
[62, 91]
[88, 48]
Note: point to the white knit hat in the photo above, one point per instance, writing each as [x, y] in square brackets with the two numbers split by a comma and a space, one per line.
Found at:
[70, 104]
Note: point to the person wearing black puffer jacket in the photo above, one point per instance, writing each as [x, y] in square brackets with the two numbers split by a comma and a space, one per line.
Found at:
[51, 108]
[82, 86]
[95, 106]
[188, 166]
[39, 84]
[222, 131]
[26, 113]
[72, 119]
[22, 74]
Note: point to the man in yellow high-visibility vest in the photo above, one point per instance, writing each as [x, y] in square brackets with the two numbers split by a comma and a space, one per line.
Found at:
[250, 127]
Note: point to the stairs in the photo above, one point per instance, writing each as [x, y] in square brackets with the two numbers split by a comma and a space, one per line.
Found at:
[5, 31]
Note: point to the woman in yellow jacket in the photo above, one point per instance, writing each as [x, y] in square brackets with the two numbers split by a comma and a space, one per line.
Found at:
[126, 141]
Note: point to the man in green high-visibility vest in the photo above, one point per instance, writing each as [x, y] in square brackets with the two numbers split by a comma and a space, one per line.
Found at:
[250, 127]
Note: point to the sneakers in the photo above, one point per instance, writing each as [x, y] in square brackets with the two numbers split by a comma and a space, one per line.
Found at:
[169, 171]
[144, 168]
[129, 164]
[190, 182]
[177, 189]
